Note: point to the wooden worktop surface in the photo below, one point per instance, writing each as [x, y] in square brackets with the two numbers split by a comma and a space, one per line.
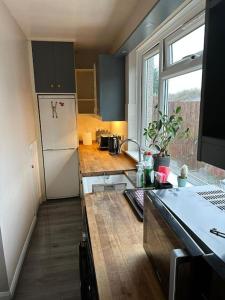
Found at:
[123, 270]
[95, 162]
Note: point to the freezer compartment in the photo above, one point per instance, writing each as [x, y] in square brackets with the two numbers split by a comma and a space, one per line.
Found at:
[61, 173]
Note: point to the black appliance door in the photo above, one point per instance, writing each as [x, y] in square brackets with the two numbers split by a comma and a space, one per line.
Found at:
[87, 274]
[89, 289]
[175, 268]
[84, 271]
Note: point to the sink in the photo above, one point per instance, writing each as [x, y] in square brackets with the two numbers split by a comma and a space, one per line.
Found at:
[107, 180]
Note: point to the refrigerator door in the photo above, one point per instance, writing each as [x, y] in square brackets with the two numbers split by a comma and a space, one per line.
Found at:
[61, 173]
[58, 121]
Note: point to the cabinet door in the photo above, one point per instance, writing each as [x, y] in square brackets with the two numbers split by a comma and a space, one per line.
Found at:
[64, 67]
[44, 69]
[111, 88]
[61, 173]
[56, 133]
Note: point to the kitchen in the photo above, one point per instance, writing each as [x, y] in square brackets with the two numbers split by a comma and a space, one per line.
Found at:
[72, 224]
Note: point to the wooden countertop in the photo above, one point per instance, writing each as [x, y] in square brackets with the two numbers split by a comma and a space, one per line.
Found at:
[123, 270]
[95, 162]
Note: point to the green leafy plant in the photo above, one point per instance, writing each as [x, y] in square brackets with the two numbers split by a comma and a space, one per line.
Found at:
[163, 131]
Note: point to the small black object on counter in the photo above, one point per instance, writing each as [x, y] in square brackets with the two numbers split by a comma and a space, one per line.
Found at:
[163, 185]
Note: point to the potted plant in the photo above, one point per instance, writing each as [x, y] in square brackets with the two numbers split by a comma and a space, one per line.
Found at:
[182, 179]
[162, 132]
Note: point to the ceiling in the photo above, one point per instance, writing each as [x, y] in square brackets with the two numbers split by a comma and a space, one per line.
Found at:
[89, 23]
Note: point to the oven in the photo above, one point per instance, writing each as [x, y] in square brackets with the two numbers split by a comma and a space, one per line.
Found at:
[87, 271]
[178, 260]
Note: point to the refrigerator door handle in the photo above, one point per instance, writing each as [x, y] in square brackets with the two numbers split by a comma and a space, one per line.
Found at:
[52, 106]
[56, 115]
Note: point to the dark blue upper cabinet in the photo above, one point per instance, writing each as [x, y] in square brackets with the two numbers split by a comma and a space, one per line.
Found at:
[53, 67]
[44, 68]
[111, 87]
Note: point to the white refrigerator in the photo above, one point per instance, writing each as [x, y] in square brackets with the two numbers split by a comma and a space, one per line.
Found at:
[59, 143]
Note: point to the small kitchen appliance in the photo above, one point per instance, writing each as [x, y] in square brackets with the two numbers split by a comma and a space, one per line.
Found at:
[104, 142]
[184, 239]
[114, 144]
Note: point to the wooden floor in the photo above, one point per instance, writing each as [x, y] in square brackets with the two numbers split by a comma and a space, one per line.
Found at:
[51, 267]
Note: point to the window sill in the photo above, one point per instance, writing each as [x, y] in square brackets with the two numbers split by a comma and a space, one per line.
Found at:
[134, 155]
[172, 176]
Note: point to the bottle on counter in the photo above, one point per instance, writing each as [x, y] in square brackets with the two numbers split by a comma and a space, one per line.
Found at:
[98, 134]
[148, 169]
[140, 176]
[147, 156]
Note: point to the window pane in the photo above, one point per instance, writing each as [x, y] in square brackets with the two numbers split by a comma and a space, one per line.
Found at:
[185, 91]
[151, 88]
[190, 44]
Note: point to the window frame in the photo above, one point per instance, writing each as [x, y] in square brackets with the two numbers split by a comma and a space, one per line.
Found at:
[183, 66]
[151, 53]
[189, 12]
[167, 71]
[185, 29]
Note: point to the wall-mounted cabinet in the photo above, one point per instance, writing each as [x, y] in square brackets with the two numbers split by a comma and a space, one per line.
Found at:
[111, 87]
[86, 90]
[53, 67]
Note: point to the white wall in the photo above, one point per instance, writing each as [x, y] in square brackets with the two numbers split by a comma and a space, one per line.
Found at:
[17, 132]
[89, 123]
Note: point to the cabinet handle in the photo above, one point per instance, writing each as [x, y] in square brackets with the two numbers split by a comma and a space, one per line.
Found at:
[52, 85]
[59, 85]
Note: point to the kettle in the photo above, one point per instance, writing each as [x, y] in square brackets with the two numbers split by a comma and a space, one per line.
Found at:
[114, 144]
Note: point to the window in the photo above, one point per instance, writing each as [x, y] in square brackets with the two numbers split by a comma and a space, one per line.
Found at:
[150, 87]
[191, 43]
[179, 83]
[184, 91]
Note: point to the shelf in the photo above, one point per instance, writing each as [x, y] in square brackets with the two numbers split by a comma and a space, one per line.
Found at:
[85, 70]
[85, 84]
[86, 99]
[86, 107]
[86, 90]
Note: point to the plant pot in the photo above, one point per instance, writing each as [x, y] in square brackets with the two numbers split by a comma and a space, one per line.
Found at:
[161, 161]
[181, 181]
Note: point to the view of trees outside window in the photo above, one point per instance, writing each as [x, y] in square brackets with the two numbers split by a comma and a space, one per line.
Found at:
[185, 91]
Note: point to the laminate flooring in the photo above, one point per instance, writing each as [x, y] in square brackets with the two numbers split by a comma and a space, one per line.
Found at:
[51, 267]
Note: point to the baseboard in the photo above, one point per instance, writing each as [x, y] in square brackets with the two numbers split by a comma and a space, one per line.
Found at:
[5, 295]
[21, 260]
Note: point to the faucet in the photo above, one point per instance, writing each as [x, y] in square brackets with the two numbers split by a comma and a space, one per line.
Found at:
[131, 140]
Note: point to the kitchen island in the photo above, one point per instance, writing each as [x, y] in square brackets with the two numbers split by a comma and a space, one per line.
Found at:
[122, 268]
